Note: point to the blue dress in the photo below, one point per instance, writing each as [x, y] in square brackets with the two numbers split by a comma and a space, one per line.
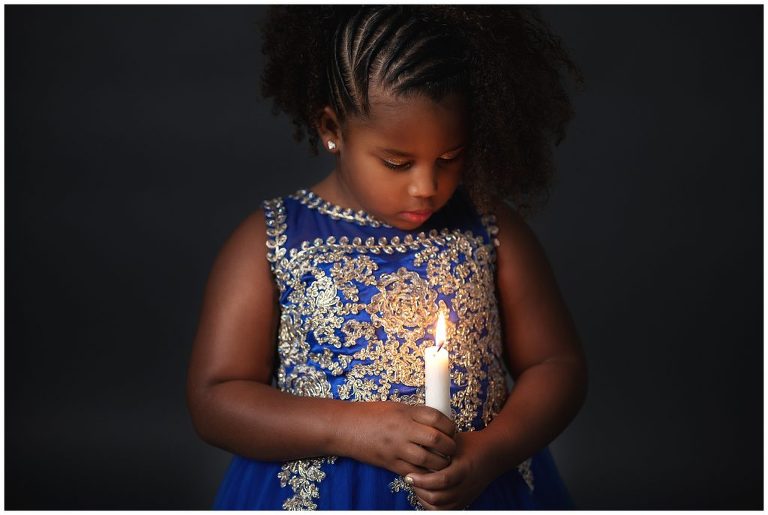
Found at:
[359, 300]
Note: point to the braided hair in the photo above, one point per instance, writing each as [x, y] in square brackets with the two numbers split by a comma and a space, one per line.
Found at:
[503, 60]
[392, 48]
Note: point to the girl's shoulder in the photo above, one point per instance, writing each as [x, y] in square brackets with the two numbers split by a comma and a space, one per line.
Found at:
[240, 268]
[522, 263]
[462, 214]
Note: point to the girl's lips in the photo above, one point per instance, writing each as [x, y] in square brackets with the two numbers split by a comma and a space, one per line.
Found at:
[416, 216]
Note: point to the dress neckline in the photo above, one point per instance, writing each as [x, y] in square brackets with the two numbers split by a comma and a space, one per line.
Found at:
[314, 201]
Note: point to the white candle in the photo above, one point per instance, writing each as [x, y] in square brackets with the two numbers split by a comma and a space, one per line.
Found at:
[437, 372]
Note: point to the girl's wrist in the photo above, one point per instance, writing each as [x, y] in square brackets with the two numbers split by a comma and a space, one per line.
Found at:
[496, 452]
[340, 424]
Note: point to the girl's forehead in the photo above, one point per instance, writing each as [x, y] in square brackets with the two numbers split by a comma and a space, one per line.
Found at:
[384, 103]
[405, 117]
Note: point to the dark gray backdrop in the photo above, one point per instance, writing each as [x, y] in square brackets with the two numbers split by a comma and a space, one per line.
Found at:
[136, 141]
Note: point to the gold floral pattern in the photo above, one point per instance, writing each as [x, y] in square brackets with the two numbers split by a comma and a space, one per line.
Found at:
[399, 485]
[527, 474]
[302, 476]
[356, 315]
[404, 305]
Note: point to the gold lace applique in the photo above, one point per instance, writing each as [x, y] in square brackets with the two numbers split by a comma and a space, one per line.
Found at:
[489, 222]
[325, 360]
[525, 471]
[311, 200]
[399, 485]
[274, 214]
[404, 306]
[303, 477]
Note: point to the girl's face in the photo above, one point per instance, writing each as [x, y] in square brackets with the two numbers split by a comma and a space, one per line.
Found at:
[403, 162]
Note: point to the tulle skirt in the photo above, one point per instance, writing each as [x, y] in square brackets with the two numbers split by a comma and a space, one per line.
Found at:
[347, 484]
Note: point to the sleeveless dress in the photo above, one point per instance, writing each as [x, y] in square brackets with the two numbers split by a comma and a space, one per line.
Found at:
[359, 300]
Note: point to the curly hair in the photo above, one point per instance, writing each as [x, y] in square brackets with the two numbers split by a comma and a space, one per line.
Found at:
[504, 60]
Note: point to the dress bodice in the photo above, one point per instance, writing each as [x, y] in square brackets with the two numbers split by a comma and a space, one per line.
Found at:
[359, 301]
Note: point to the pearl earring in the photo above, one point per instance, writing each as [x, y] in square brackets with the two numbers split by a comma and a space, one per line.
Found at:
[331, 145]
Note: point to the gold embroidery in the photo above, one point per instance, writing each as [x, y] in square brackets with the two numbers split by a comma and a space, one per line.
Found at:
[302, 476]
[307, 381]
[274, 212]
[311, 200]
[399, 485]
[374, 350]
[404, 306]
[525, 470]
[325, 360]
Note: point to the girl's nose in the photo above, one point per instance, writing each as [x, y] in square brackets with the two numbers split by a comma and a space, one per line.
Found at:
[423, 182]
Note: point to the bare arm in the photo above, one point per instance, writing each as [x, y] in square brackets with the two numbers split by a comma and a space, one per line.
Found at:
[228, 389]
[544, 351]
[234, 407]
[545, 359]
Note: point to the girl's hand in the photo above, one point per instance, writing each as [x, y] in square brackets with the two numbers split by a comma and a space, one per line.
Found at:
[398, 437]
[457, 485]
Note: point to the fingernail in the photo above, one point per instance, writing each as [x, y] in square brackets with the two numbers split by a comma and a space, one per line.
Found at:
[409, 480]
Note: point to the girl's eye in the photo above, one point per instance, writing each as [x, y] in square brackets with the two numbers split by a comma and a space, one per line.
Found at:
[404, 166]
[396, 166]
[450, 159]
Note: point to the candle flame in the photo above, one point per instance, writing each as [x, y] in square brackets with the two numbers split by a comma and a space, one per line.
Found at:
[440, 331]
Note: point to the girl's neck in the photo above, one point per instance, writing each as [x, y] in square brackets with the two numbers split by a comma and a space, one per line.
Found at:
[333, 190]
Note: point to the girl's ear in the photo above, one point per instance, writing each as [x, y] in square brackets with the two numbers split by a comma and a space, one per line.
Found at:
[329, 129]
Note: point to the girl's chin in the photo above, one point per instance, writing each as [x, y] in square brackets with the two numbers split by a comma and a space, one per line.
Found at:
[417, 218]
[406, 225]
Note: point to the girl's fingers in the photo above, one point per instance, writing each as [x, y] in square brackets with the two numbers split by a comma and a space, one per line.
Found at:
[421, 457]
[444, 479]
[432, 417]
[423, 502]
[438, 500]
[435, 440]
[403, 468]
[427, 506]
[429, 500]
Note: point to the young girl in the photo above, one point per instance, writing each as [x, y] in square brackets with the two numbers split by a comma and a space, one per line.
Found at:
[308, 364]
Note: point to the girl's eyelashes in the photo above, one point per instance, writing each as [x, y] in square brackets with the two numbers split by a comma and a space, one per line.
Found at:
[455, 157]
[404, 166]
[449, 159]
[395, 166]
